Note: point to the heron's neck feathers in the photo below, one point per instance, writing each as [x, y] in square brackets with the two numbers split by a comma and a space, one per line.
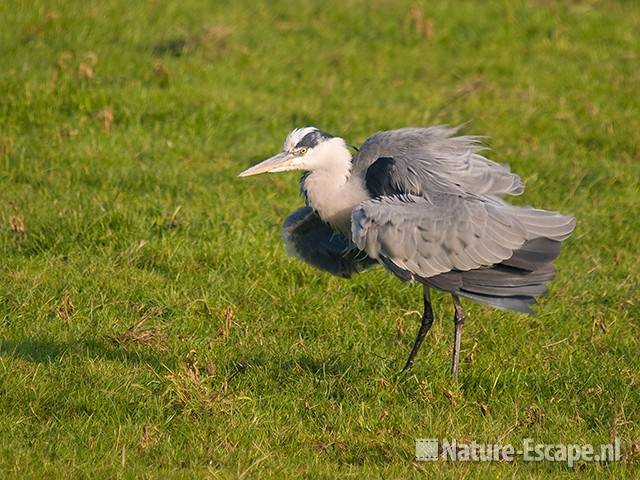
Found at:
[329, 188]
[332, 159]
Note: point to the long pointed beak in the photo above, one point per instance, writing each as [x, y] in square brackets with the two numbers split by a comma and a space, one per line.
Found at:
[277, 163]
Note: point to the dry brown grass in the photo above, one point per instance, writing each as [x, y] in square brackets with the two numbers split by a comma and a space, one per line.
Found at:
[138, 335]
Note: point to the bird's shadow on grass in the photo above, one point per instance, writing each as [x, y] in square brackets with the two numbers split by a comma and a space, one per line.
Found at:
[48, 351]
[307, 364]
[333, 365]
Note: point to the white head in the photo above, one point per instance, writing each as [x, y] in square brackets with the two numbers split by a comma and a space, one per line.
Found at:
[308, 149]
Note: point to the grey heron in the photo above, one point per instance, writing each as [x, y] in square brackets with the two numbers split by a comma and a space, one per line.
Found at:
[427, 205]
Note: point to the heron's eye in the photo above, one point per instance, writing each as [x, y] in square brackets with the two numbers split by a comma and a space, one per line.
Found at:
[301, 150]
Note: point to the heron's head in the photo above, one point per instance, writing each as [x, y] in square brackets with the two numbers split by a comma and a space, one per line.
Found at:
[308, 149]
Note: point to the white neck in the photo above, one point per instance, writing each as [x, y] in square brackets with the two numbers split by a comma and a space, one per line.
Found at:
[331, 158]
[330, 189]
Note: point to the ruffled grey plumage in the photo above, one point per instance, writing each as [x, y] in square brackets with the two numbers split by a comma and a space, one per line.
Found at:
[427, 160]
[435, 206]
[426, 204]
[313, 241]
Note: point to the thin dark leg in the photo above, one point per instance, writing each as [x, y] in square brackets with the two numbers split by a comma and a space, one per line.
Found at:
[425, 325]
[458, 321]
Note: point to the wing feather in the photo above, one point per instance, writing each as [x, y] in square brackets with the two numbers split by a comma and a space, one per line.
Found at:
[434, 234]
[418, 160]
[311, 240]
[455, 232]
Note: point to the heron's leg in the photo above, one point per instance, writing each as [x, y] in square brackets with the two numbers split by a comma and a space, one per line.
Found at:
[458, 321]
[425, 325]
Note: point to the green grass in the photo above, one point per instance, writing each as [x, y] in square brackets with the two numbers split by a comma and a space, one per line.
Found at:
[248, 363]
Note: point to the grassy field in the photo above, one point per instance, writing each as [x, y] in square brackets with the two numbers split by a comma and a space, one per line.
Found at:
[151, 324]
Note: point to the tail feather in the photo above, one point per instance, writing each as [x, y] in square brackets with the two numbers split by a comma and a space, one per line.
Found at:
[507, 287]
[518, 303]
[511, 285]
[534, 253]
[500, 281]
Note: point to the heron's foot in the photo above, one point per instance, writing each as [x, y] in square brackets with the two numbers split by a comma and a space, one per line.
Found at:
[407, 365]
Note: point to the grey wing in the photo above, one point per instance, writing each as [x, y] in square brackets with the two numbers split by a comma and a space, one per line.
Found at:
[311, 240]
[419, 160]
[427, 236]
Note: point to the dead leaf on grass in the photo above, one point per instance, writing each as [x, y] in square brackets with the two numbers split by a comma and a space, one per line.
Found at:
[85, 71]
[534, 414]
[66, 308]
[161, 72]
[416, 21]
[452, 398]
[16, 223]
[106, 115]
[192, 364]
[228, 316]
[137, 335]
[149, 436]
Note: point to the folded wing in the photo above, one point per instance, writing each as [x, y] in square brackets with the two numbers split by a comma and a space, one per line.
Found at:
[440, 232]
